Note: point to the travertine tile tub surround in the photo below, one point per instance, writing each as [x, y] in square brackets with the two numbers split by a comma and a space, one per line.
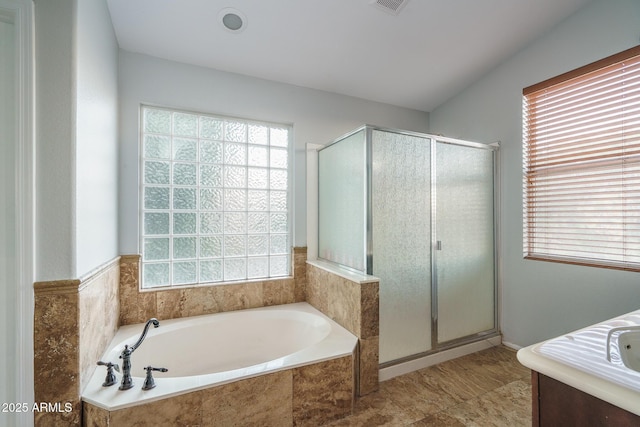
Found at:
[352, 300]
[138, 306]
[74, 321]
[309, 395]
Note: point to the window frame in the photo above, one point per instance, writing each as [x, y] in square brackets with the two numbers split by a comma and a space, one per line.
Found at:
[569, 163]
[170, 210]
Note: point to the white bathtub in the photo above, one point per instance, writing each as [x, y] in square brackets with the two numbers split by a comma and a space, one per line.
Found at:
[205, 351]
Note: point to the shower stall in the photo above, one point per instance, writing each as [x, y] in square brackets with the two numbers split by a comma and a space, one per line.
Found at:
[419, 212]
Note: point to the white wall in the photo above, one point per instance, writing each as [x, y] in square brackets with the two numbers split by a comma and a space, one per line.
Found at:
[76, 109]
[8, 255]
[55, 156]
[16, 207]
[317, 117]
[541, 300]
[96, 137]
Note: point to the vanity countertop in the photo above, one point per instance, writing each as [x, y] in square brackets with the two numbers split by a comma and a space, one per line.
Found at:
[579, 359]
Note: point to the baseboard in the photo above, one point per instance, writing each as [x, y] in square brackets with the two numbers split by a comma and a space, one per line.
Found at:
[433, 359]
[511, 345]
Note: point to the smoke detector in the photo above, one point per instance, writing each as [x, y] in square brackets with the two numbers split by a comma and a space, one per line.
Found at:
[390, 6]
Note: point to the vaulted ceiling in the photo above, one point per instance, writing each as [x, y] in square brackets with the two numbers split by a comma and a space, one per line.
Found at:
[418, 58]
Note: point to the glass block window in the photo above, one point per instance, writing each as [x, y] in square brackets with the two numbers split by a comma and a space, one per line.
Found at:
[215, 203]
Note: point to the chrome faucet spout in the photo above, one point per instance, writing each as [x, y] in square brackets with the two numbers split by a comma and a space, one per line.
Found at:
[155, 323]
[127, 381]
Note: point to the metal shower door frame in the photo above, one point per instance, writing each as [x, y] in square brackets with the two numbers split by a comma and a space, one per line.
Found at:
[436, 244]
[368, 225]
[433, 141]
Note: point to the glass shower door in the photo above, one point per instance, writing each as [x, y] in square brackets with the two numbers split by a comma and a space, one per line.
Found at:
[464, 226]
[416, 211]
[401, 241]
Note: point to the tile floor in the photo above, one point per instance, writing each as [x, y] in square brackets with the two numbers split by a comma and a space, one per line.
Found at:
[488, 388]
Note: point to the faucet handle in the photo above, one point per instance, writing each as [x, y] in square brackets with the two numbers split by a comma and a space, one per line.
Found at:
[149, 382]
[111, 377]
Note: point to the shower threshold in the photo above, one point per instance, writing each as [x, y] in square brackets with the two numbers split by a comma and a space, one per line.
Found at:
[408, 364]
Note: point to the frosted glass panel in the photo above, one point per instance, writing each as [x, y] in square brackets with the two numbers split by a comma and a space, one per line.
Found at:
[184, 198]
[235, 154]
[156, 249]
[211, 175]
[156, 197]
[210, 246]
[257, 267]
[157, 147]
[184, 247]
[184, 174]
[156, 223]
[185, 149]
[211, 271]
[156, 274]
[185, 124]
[157, 121]
[465, 264]
[211, 199]
[211, 151]
[184, 223]
[211, 128]
[236, 132]
[257, 244]
[184, 272]
[156, 172]
[258, 134]
[341, 192]
[235, 245]
[401, 205]
[278, 266]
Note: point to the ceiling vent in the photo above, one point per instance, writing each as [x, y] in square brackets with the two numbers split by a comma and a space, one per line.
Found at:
[390, 6]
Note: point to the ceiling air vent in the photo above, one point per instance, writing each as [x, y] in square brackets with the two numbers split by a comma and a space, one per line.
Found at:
[390, 6]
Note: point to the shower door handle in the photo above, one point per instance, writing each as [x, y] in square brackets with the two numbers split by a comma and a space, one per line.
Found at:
[438, 245]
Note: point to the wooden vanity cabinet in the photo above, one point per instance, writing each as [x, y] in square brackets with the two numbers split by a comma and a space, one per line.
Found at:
[557, 404]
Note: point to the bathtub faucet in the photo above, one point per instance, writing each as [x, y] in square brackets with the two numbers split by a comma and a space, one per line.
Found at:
[127, 382]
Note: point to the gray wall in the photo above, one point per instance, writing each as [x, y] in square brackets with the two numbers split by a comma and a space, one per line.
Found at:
[317, 117]
[541, 300]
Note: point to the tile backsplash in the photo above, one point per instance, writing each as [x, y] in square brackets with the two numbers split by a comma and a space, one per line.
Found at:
[138, 306]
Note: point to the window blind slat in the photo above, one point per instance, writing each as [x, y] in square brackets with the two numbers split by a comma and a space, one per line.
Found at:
[581, 165]
[611, 139]
[569, 109]
[613, 116]
[546, 103]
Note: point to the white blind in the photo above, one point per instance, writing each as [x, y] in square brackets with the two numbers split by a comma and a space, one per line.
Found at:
[582, 165]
